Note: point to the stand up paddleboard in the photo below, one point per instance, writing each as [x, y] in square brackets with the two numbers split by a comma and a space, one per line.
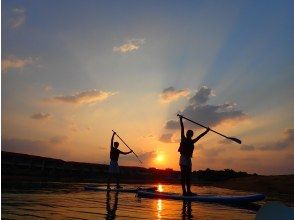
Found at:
[128, 190]
[201, 198]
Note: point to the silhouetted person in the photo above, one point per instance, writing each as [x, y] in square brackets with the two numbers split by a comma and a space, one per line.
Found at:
[113, 166]
[111, 212]
[186, 149]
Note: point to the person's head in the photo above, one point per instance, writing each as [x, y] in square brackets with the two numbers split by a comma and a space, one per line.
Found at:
[115, 144]
[189, 134]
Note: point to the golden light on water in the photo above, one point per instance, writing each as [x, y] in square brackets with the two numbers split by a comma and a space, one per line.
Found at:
[159, 208]
[160, 188]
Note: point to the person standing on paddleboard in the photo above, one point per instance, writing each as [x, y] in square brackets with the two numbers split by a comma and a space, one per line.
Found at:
[186, 150]
[113, 166]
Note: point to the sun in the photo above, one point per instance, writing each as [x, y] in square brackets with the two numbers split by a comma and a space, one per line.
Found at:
[159, 158]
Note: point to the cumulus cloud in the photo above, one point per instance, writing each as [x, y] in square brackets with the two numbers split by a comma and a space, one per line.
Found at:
[172, 124]
[201, 96]
[41, 116]
[12, 62]
[18, 18]
[130, 46]
[287, 142]
[247, 148]
[86, 97]
[171, 94]
[210, 115]
[58, 139]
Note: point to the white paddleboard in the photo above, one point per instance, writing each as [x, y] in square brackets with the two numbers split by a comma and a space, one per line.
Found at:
[129, 190]
[202, 198]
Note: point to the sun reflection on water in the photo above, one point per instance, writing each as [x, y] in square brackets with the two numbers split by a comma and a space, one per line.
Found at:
[159, 208]
[159, 188]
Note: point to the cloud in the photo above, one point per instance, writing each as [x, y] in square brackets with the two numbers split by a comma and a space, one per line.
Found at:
[202, 96]
[213, 152]
[287, 142]
[206, 114]
[131, 45]
[247, 148]
[149, 136]
[171, 94]
[18, 18]
[47, 88]
[167, 138]
[12, 62]
[41, 116]
[172, 124]
[86, 97]
[58, 140]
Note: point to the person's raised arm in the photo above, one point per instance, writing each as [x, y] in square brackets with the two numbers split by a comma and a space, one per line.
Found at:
[201, 135]
[112, 138]
[121, 152]
[182, 127]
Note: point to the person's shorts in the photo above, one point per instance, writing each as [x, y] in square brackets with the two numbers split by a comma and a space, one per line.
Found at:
[185, 161]
[113, 167]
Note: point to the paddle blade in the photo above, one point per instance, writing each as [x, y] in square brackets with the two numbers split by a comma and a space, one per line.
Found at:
[235, 140]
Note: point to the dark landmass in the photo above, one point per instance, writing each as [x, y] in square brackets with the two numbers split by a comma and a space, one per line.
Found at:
[18, 168]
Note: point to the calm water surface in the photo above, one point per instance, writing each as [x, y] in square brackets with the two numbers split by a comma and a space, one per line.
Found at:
[73, 202]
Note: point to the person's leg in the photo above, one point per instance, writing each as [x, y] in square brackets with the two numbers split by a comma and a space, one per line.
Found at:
[188, 179]
[117, 180]
[183, 179]
[108, 180]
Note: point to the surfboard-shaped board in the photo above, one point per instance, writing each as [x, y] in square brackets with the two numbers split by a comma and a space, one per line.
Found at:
[128, 190]
[201, 198]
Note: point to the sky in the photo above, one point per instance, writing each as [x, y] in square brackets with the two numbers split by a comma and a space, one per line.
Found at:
[74, 70]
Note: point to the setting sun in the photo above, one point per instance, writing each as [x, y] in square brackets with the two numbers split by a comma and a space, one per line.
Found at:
[159, 158]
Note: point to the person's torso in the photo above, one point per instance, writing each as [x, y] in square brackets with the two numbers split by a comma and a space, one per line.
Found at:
[114, 154]
[186, 147]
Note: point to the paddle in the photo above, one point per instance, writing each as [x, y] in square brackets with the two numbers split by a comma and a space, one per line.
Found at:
[127, 146]
[231, 138]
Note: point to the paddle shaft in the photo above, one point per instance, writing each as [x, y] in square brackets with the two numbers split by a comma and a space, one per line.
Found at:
[205, 127]
[127, 146]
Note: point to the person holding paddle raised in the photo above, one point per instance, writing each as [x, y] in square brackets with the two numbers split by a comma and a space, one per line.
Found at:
[113, 166]
[186, 150]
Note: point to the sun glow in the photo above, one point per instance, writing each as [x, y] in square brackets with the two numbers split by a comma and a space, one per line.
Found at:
[159, 158]
[159, 188]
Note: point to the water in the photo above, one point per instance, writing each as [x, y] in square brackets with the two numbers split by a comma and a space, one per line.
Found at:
[59, 201]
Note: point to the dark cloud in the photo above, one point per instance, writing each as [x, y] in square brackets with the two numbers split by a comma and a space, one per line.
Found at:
[247, 148]
[41, 116]
[201, 96]
[206, 114]
[170, 94]
[166, 138]
[287, 142]
[172, 124]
